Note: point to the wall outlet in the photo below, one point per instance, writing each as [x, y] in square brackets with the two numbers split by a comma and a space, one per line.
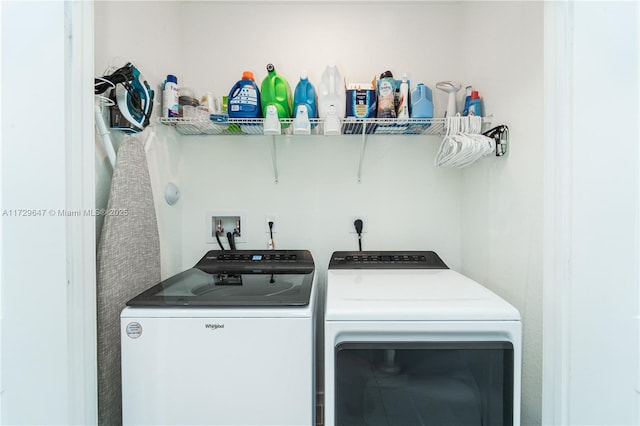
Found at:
[226, 221]
[352, 228]
[271, 218]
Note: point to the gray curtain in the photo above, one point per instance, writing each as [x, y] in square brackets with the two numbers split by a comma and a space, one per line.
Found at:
[128, 263]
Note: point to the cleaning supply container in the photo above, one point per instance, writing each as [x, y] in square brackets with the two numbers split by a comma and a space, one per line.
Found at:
[244, 98]
[275, 90]
[386, 95]
[332, 93]
[421, 102]
[475, 106]
[305, 95]
[467, 98]
[170, 97]
[403, 102]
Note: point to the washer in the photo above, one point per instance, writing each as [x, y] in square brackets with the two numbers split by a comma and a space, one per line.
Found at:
[410, 342]
[230, 341]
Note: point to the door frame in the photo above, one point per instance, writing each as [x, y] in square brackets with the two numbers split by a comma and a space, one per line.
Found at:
[556, 287]
[81, 232]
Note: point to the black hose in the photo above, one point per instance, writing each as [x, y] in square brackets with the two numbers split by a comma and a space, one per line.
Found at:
[219, 242]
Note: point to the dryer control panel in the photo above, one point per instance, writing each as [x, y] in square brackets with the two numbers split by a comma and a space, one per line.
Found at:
[386, 260]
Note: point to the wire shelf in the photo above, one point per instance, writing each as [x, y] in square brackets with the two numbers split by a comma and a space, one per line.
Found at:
[222, 125]
[349, 126]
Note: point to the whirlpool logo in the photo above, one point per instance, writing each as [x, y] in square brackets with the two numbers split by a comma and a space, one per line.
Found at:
[213, 327]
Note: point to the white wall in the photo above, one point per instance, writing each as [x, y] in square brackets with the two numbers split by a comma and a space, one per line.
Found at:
[502, 200]
[481, 221]
[153, 45]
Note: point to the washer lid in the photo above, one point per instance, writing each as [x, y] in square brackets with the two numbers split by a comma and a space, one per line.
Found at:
[237, 279]
[411, 295]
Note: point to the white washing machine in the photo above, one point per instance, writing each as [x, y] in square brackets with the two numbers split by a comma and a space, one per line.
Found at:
[230, 341]
[410, 342]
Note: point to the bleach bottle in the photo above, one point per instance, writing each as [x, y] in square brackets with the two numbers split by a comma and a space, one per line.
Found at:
[244, 98]
[305, 95]
[275, 90]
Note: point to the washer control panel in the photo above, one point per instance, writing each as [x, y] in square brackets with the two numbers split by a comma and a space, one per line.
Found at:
[259, 260]
[386, 260]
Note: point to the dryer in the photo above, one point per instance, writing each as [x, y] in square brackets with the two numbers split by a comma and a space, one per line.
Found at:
[230, 341]
[408, 341]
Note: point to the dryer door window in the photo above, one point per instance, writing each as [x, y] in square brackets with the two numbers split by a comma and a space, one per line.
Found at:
[425, 383]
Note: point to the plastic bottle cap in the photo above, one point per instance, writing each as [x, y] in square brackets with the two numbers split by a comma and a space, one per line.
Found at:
[386, 74]
[248, 75]
[270, 67]
[474, 95]
[172, 79]
[303, 75]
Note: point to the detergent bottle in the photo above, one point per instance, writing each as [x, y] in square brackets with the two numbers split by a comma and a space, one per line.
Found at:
[421, 102]
[467, 99]
[475, 105]
[244, 98]
[275, 90]
[305, 95]
[332, 94]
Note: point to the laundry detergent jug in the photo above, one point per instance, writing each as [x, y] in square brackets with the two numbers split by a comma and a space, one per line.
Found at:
[421, 102]
[275, 90]
[305, 94]
[244, 98]
[332, 94]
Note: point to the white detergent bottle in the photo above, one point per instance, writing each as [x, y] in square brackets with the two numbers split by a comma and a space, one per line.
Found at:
[332, 94]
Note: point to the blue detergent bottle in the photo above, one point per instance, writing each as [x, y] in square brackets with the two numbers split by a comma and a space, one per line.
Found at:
[244, 98]
[305, 94]
[421, 102]
[475, 105]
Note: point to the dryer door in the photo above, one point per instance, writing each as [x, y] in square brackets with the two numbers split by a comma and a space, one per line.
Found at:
[424, 383]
